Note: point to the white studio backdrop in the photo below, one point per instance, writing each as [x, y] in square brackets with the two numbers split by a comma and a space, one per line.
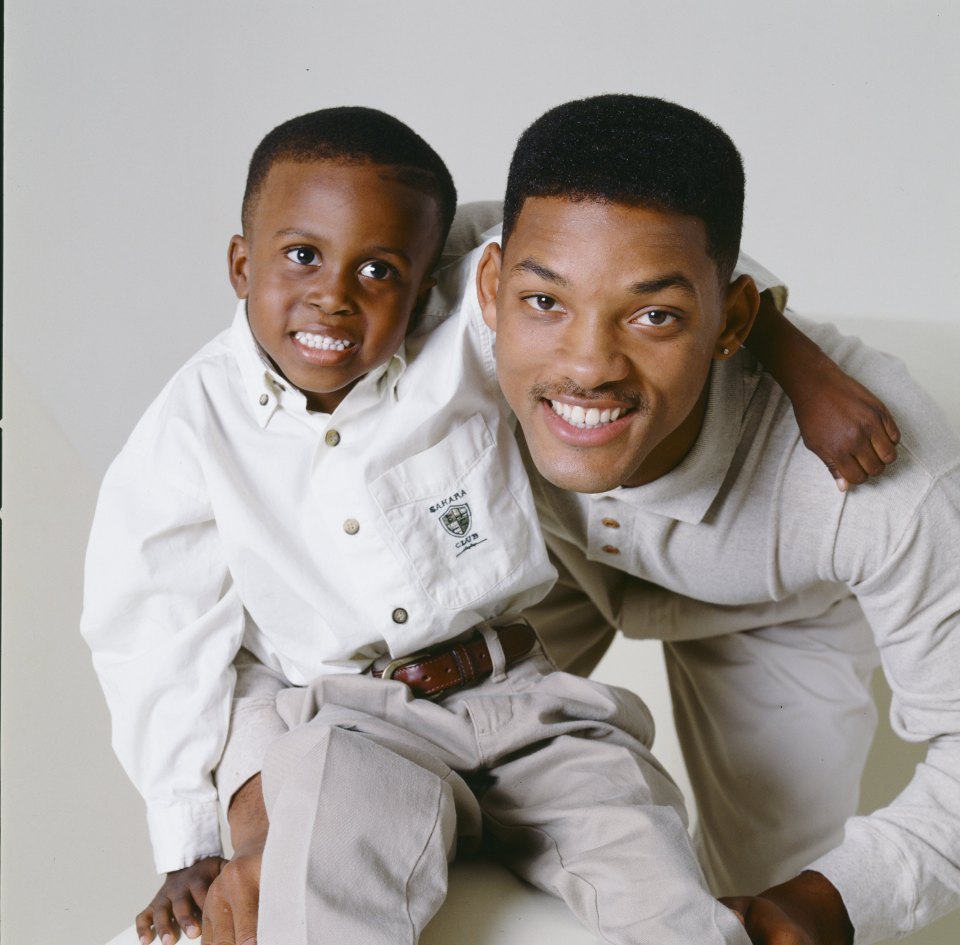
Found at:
[128, 130]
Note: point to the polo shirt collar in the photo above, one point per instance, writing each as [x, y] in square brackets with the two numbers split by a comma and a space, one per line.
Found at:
[687, 492]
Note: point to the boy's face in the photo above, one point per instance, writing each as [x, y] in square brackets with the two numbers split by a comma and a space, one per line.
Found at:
[336, 259]
[608, 318]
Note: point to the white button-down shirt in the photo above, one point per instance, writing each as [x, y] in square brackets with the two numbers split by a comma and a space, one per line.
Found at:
[235, 517]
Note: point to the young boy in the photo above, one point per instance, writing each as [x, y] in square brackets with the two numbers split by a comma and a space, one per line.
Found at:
[333, 500]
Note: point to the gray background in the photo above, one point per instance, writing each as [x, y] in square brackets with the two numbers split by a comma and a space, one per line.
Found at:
[128, 129]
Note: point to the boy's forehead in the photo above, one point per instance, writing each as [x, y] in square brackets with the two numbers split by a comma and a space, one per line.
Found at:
[319, 188]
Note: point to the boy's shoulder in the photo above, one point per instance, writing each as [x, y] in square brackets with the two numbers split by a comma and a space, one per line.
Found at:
[206, 389]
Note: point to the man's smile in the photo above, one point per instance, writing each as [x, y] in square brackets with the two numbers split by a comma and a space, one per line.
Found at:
[585, 417]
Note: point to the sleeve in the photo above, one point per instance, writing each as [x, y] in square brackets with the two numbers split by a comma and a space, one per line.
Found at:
[591, 601]
[765, 280]
[254, 725]
[470, 224]
[164, 621]
[898, 869]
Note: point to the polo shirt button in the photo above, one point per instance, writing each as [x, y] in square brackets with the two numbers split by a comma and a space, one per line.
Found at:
[610, 549]
[610, 522]
[332, 438]
[264, 400]
[400, 615]
[351, 526]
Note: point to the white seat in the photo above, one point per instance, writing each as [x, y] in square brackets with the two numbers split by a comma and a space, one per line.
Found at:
[486, 905]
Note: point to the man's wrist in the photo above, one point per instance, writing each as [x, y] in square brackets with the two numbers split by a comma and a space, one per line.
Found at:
[247, 816]
[813, 901]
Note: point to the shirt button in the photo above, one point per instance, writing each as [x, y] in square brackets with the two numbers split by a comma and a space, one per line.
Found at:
[610, 522]
[264, 400]
[400, 615]
[351, 526]
[332, 438]
[610, 549]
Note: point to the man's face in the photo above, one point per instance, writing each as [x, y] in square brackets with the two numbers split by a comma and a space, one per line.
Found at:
[607, 319]
[336, 258]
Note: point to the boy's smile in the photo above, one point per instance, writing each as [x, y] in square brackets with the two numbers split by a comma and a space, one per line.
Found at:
[608, 318]
[337, 257]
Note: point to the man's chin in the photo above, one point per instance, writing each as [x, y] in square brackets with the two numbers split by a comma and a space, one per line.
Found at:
[574, 477]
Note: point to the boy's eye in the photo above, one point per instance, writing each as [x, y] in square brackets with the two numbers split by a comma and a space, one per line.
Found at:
[542, 303]
[377, 269]
[656, 318]
[303, 255]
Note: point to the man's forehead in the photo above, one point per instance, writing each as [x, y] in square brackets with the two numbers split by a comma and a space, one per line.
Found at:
[559, 237]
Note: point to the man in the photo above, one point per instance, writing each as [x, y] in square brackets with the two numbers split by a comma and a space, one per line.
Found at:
[610, 298]
[669, 458]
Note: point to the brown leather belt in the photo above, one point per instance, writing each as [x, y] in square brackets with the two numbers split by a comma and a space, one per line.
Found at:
[450, 666]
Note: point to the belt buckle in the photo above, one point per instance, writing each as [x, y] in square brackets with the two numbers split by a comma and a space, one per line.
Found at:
[398, 664]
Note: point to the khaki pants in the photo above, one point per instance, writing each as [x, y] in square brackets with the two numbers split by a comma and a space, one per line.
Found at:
[372, 790]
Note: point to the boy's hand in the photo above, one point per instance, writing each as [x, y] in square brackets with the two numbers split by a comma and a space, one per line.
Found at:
[847, 427]
[179, 903]
[230, 911]
[806, 910]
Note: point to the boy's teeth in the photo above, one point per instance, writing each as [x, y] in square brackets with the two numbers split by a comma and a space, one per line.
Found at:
[322, 341]
[584, 419]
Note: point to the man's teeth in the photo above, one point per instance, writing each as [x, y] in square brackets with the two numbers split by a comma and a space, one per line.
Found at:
[584, 419]
[322, 342]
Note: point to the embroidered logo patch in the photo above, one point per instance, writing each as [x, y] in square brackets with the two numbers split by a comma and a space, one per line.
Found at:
[456, 520]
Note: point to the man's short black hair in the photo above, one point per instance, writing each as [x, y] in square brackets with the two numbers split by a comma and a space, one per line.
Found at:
[637, 151]
[354, 134]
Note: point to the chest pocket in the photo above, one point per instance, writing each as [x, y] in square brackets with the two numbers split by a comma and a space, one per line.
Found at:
[454, 517]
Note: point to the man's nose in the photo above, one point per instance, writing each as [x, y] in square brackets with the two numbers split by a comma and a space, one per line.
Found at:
[330, 290]
[590, 352]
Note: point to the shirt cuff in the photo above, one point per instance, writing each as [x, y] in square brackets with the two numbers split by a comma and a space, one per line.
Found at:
[874, 881]
[181, 834]
[254, 726]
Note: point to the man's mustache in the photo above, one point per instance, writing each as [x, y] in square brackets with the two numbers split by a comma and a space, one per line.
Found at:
[568, 388]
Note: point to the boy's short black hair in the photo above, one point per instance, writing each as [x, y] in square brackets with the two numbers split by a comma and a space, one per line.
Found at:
[354, 134]
[636, 151]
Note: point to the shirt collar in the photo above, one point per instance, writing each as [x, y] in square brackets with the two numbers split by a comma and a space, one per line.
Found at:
[687, 492]
[267, 391]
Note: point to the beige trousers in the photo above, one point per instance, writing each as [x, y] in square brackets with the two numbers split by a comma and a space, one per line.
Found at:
[372, 791]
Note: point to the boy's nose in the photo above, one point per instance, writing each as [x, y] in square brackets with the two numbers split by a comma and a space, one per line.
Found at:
[329, 292]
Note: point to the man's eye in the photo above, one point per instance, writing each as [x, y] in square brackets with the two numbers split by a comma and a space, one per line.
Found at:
[656, 318]
[542, 303]
[377, 269]
[303, 255]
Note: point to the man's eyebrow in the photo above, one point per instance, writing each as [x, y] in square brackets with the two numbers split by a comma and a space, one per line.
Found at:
[671, 280]
[538, 269]
[308, 237]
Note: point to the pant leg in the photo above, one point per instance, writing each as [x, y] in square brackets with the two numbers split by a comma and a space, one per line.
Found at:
[775, 727]
[586, 813]
[363, 820]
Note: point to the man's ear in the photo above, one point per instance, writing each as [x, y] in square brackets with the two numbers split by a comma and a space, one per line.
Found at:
[238, 258]
[740, 311]
[488, 283]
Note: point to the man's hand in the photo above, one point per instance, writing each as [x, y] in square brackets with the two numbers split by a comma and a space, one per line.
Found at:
[230, 911]
[846, 426]
[232, 904]
[179, 903]
[806, 910]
